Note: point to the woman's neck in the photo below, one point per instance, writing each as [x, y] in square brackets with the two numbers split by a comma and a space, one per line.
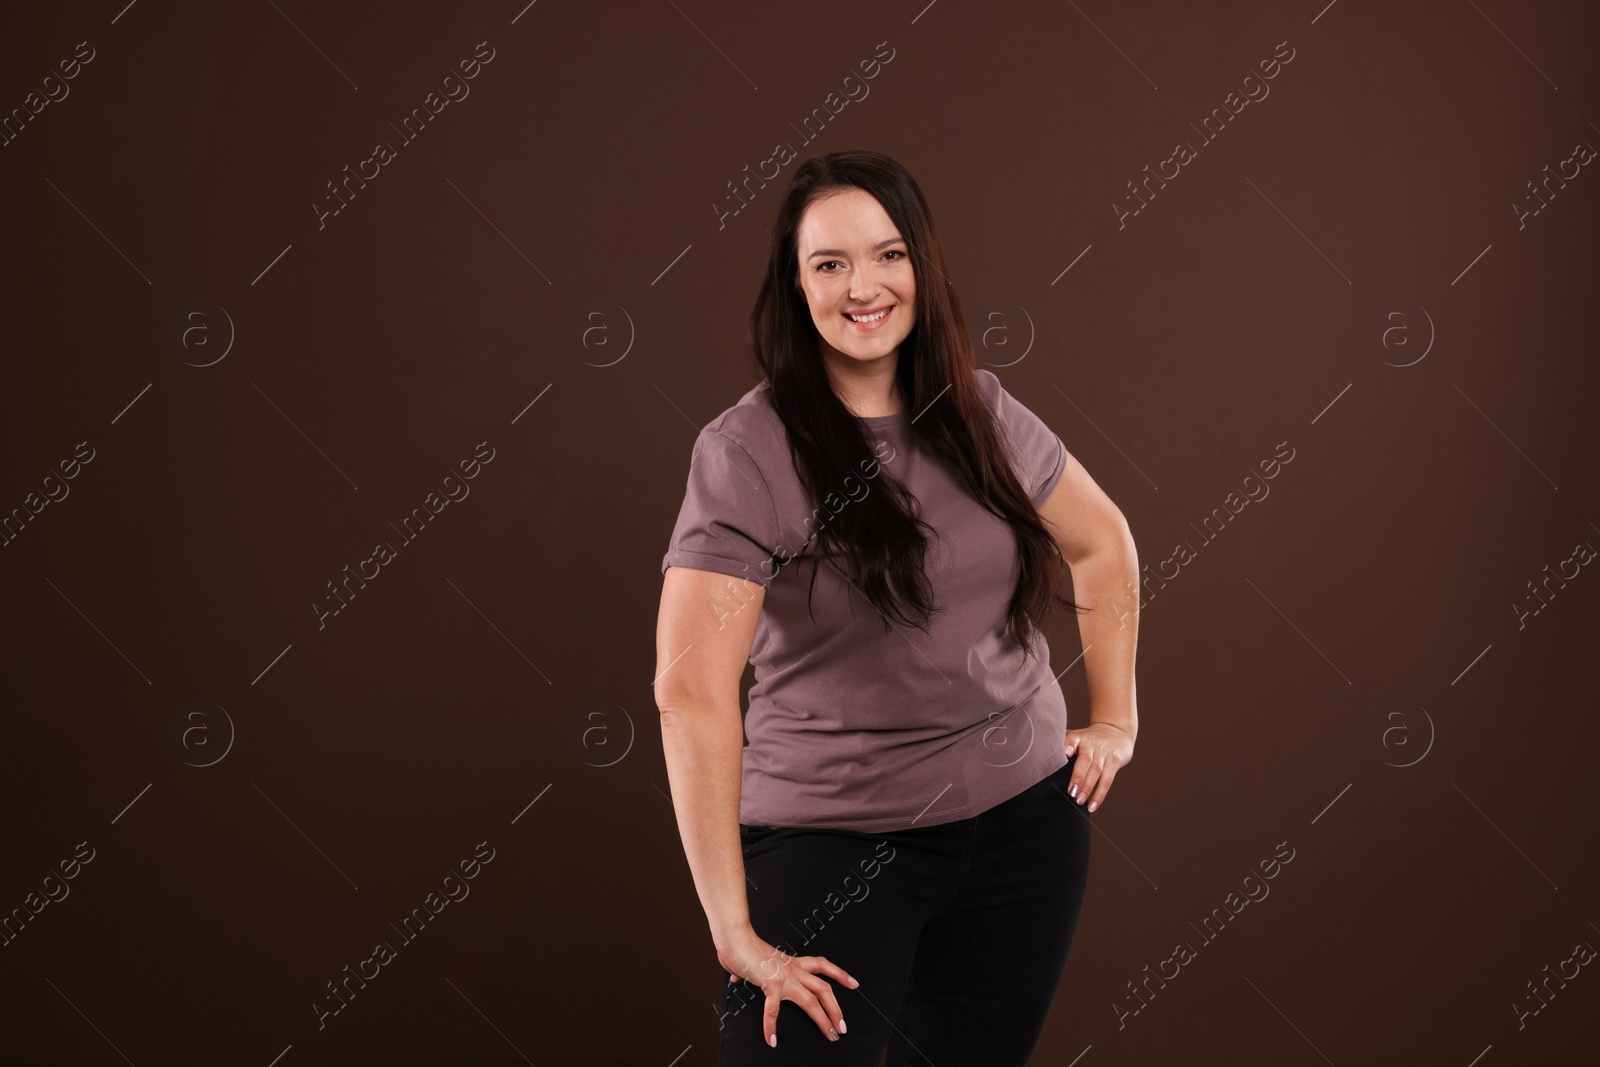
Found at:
[867, 390]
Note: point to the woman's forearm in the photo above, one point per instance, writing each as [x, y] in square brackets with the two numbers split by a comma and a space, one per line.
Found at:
[704, 749]
[1107, 581]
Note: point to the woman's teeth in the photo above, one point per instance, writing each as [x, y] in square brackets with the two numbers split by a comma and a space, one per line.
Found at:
[868, 318]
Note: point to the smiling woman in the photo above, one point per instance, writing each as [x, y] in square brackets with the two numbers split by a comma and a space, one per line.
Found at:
[904, 693]
[860, 339]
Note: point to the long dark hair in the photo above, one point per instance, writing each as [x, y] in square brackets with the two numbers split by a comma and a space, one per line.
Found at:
[882, 535]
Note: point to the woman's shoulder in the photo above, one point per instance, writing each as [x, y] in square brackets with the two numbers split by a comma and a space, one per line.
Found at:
[1000, 401]
[989, 386]
[751, 422]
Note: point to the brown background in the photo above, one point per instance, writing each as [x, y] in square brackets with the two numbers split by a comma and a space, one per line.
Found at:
[1375, 588]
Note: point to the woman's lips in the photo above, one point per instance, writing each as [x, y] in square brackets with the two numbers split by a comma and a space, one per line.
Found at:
[867, 327]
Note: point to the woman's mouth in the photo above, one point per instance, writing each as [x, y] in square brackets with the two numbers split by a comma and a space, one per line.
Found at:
[869, 318]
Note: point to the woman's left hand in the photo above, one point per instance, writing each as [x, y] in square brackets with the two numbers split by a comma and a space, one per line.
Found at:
[1102, 750]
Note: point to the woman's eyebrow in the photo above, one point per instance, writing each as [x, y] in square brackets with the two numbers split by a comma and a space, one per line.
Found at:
[885, 243]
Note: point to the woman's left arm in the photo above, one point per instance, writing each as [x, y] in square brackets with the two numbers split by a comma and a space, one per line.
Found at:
[1098, 547]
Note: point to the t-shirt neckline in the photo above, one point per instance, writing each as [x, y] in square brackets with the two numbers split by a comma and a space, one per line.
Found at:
[874, 421]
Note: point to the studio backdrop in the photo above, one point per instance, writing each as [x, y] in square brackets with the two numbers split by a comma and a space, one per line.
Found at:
[354, 358]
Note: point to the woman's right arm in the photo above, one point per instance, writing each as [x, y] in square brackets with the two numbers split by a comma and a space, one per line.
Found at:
[704, 631]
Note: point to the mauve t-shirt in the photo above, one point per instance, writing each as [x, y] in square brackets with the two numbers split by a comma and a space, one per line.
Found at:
[849, 726]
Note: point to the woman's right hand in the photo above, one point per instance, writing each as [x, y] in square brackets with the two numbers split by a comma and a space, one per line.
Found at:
[784, 977]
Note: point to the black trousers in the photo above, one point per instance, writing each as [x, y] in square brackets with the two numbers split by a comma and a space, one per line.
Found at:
[958, 933]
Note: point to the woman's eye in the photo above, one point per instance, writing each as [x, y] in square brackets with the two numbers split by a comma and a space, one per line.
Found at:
[822, 267]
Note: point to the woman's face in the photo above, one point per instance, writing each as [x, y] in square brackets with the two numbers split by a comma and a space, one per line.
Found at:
[854, 264]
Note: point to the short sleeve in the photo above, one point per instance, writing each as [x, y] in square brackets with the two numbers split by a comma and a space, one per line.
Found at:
[728, 522]
[1040, 455]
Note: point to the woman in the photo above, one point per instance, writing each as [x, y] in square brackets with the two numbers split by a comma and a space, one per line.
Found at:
[878, 527]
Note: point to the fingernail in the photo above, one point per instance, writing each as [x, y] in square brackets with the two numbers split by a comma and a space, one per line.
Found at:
[773, 1040]
[1072, 790]
[843, 1029]
[854, 984]
[1093, 804]
[833, 1035]
[1070, 748]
